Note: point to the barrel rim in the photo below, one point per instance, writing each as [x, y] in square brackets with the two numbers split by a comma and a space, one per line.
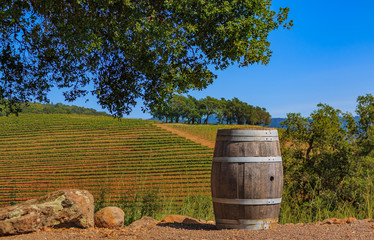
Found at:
[250, 128]
[249, 224]
[247, 201]
[241, 159]
[246, 133]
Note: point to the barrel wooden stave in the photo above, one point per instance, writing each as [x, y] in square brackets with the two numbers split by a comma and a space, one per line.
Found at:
[252, 180]
[243, 149]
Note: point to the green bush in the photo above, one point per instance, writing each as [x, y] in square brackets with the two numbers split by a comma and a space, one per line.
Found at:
[328, 164]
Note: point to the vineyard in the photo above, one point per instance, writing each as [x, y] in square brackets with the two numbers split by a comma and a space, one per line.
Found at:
[111, 158]
[154, 169]
[205, 132]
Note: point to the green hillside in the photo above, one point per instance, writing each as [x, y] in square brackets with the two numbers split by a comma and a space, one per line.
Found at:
[206, 132]
[59, 108]
[111, 158]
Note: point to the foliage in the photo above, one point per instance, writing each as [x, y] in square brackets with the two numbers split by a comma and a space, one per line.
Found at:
[127, 49]
[100, 200]
[191, 110]
[153, 205]
[328, 159]
[197, 206]
[150, 203]
[136, 205]
[209, 106]
[58, 108]
[365, 127]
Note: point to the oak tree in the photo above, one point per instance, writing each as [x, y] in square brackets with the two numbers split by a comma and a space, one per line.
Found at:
[127, 50]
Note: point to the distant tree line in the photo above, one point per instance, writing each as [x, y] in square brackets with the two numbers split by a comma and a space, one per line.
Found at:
[191, 110]
[58, 108]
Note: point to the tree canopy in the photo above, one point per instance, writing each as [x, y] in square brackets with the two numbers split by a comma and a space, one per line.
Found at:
[190, 110]
[59, 108]
[128, 50]
[329, 157]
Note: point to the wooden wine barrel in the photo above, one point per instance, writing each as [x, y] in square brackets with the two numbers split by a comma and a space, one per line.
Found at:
[247, 178]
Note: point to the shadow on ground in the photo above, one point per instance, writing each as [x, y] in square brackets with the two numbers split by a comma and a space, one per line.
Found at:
[199, 226]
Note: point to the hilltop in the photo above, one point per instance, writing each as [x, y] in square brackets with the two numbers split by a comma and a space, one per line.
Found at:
[59, 108]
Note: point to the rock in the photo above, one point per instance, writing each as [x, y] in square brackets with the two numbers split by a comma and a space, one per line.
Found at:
[338, 221]
[350, 220]
[289, 224]
[63, 208]
[144, 222]
[329, 221]
[180, 219]
[109, 217]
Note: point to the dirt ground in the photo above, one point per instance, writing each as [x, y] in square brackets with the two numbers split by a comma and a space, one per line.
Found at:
[359, 229]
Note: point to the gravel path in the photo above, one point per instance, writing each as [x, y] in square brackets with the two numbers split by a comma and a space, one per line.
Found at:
[359, 229]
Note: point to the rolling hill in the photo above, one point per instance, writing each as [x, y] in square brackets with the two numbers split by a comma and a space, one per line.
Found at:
[111, 158]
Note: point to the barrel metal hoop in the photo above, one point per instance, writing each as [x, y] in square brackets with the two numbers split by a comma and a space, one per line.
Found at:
[247, 201]
[246, 139]
[252, 224]
[247, 159]
[249, 133]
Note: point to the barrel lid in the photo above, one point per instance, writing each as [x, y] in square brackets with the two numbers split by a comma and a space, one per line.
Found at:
[248, 132]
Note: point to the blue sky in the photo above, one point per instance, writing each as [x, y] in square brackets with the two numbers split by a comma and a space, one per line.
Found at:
[327, 57]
